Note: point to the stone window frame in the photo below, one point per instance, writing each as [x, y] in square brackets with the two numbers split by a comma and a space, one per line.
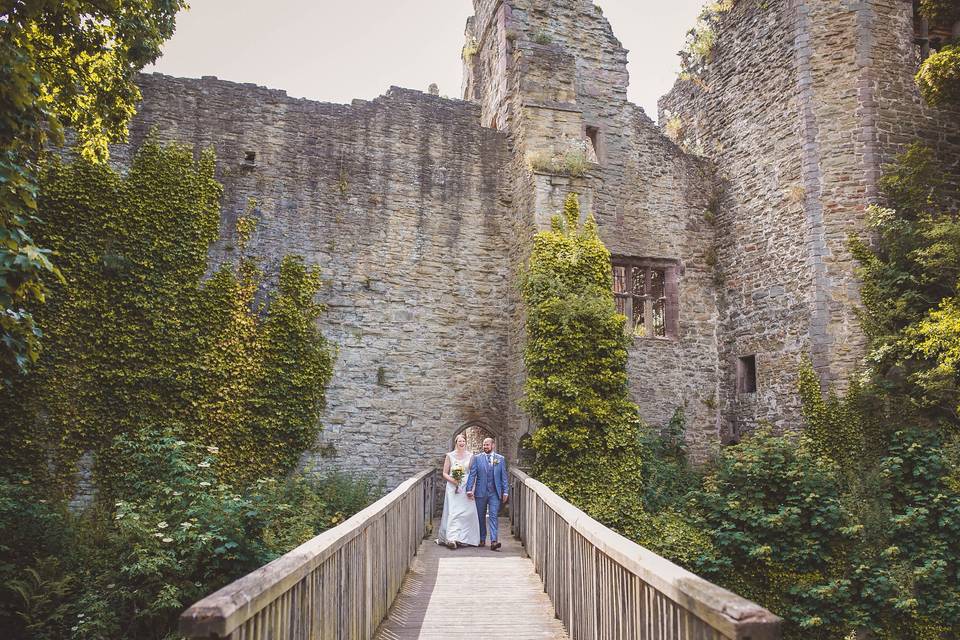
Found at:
[656, 281]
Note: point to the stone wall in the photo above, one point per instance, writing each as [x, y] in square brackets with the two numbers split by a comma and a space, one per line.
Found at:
[545, 71]
[799, 106]
[398, 200]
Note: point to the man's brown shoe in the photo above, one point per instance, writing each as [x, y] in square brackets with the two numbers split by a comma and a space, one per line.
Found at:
[495, 546]
[482, 544]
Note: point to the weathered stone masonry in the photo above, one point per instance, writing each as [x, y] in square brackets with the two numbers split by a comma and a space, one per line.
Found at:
[801, 104]
[421, 210]
[398, 201]
[548, 73]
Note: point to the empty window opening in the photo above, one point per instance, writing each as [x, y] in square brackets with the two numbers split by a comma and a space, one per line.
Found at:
[250, 157]
[747, 374]
[646, 293]
[593, 135]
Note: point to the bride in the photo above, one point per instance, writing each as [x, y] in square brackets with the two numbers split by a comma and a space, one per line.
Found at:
[460, 524]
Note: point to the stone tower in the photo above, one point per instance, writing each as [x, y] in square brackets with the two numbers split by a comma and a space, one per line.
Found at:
[552, 76]
[799, 106]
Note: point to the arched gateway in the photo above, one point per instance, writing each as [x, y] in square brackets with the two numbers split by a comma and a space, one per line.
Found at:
[476, 431]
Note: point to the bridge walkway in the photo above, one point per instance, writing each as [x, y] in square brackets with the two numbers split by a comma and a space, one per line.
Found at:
[472, 594]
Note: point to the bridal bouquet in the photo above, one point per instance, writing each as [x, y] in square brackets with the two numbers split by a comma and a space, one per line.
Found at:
[457, 473]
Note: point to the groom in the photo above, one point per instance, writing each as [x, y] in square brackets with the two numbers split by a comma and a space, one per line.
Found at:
[487, 484]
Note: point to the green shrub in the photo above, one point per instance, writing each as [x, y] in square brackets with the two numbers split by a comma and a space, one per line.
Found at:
[773, 510]
[921, 536]
[34, 532]
[667, 475]
[174, 534]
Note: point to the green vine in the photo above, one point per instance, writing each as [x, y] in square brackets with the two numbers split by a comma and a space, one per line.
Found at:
[138, 340]
[588, 438]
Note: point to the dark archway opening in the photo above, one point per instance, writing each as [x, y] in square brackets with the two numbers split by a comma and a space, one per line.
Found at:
[475, 433]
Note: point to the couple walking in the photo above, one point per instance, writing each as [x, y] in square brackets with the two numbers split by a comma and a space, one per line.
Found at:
[476, 487]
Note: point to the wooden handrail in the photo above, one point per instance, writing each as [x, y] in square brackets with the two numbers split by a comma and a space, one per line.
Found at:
[605, 587]
[340, 584]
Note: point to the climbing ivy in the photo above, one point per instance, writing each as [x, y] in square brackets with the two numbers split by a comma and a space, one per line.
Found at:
[138, 339]
[836, 426]
[588, 438]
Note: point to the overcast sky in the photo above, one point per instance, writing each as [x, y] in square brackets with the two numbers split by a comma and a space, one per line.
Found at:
[336, 51]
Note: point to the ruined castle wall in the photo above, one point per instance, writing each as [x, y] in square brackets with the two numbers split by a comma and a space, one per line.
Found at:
[745, 114]
[900, 116]
[801, 104]
[566, 71]
[398, 200]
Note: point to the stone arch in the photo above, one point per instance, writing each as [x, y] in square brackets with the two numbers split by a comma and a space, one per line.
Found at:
[476, 431]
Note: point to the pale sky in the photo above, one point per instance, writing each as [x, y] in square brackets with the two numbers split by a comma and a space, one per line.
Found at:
[335, 51]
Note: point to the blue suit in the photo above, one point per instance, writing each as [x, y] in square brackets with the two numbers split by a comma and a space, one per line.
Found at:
[488, 482]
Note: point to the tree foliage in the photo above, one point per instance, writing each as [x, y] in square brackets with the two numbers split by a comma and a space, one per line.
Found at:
[940, 13]
[64, 64]
[939, 77]
[909, 290]
[588, 437]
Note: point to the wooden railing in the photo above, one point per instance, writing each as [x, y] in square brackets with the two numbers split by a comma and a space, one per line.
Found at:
[605, 587]
[339, 585]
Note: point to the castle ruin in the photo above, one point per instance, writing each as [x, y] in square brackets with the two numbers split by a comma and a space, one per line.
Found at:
[730, 257]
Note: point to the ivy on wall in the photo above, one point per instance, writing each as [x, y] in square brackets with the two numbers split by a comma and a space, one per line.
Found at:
[588, 440]
[138, 339]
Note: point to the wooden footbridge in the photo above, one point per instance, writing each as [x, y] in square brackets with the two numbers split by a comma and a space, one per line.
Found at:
[561, 575]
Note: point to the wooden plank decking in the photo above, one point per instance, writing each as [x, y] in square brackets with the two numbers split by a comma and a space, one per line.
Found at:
[472, 594]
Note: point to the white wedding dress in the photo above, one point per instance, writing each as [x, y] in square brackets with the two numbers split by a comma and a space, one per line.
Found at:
[460, 522]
